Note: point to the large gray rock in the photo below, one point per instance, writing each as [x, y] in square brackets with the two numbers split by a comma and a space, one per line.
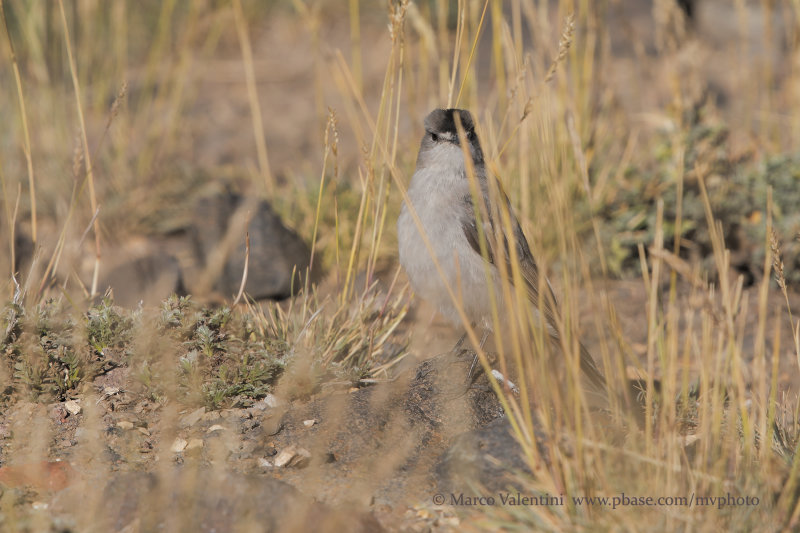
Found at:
[218, 230]
[148, 279]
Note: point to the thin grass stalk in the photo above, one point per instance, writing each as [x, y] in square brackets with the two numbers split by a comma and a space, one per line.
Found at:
[86, 152]
[497, 49]
[652, 326]
[393, 72]
[467, 67]
[462, 13]
[331, 143]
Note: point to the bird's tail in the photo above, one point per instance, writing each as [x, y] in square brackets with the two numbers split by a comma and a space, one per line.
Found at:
[599, 385]
[590, 370]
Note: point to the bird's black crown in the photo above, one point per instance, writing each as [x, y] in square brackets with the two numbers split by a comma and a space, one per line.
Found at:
[443, 121]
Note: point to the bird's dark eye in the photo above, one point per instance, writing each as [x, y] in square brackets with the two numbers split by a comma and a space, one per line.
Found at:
[434, 137]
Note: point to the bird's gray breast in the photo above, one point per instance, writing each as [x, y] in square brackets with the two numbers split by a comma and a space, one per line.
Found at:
[438, 202]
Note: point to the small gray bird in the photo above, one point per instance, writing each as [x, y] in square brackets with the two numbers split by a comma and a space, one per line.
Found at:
[440, 195]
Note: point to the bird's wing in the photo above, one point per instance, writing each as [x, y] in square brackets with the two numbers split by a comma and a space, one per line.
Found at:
[501, 251]
[527, 266]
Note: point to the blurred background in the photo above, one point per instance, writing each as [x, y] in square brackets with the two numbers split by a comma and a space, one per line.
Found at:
[177, 95]
[649, 147]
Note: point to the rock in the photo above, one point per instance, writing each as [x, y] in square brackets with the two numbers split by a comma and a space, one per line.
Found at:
[215, 427]
[293, 456]
[309, 423]
[178, 445]
[285, 456]
[407, 423]
[145, 275]
[192, 418]
[125, 424]
[487, 457]
[434, 398]
[275, 250]
[72, 406]
[301, 458]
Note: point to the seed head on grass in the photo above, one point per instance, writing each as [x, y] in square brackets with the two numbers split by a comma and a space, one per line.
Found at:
[397, 16]
[777, 262]
[123, 92]
[563, 46]
[77, 157]
[780, 278]
[332, 139]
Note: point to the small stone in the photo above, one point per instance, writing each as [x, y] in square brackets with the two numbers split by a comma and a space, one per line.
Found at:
[72, 406]
[264, 463]
[110, 391]
[144, 431]
[286, 455]
[215, 427]
[301, 458]
[178, 445]
[125, 424]
[194, 444]
[192, 418]
[39, 506]
[309, 423]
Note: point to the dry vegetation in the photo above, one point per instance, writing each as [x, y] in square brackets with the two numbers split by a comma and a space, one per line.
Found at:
[636, 145]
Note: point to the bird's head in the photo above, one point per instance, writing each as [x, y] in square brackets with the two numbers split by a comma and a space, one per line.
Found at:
[441, 144]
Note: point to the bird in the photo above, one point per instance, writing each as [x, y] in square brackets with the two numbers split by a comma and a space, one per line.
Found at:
[441, 196]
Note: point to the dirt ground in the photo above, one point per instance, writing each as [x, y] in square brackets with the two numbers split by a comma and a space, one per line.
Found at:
[368, 456]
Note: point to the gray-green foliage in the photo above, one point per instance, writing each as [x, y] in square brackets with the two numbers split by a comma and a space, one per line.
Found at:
[737, 189]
